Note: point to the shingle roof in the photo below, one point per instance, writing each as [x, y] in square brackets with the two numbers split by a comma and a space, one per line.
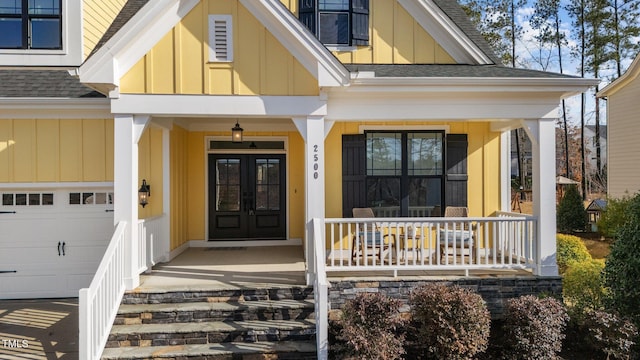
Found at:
[453, 70]
[460, 18]
[44, 84]
[128, 11]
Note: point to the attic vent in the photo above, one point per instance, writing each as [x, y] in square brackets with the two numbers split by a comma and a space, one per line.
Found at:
[220, 39]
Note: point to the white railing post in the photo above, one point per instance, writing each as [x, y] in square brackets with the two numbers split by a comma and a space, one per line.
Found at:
[85, 325]
[321, 293]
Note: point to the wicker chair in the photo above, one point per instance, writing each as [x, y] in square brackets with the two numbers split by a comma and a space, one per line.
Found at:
[459, 237]
[369, 237]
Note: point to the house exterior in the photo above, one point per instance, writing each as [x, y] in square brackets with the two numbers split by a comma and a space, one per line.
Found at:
[622, 175]
[396, 105]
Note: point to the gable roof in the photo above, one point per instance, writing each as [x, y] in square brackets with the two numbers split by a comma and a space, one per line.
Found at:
[632, 73]
[126, 13]
[453, 71]
[43, 84]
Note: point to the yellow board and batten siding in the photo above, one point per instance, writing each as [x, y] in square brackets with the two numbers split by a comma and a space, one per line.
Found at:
[179, 63]
[97, 17]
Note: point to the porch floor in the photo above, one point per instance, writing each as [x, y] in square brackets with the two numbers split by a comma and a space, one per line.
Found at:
[270, 267]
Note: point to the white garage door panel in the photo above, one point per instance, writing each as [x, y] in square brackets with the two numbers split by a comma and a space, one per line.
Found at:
[29, 245]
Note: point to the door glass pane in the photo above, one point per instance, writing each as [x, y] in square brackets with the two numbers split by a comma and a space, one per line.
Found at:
[384, 154]
[11, 30]
[425, 197]
[383, 195]
[228, 185]
[425, 153]
[267, 184]
[45, 34]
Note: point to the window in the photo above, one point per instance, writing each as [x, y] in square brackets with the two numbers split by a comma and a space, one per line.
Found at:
[90, 198]
[405, 173]
[30, 24]
[27, 199]
[337, 22]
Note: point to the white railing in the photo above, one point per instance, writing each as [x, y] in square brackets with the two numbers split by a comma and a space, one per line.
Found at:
[321, 292]
[150, 240]
[506, 241]
[100, 301]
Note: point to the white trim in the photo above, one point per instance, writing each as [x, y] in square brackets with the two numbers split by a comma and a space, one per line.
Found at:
[179, 250]
[363, 128]
[57, 185]
[632, 72]
[219, 106]
[445, 32]
[71, 53]
[284, 152]
[243, 243]
[505, 171]
[54, 108]
[139, 35]
[216, 42]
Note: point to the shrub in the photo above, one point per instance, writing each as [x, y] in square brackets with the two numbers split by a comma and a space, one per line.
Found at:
[533, 328]
[571, 215]
[369, 328]
[582, 287]
[614, 216]
[570, 249]
[451, 322]
[622, 267]
[611, 334]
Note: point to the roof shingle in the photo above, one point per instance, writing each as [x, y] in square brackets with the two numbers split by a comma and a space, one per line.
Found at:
[43, 84]
[451, 70]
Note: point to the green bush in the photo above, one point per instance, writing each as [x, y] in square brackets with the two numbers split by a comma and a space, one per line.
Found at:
[610, 334]
[570, 249]
[615, 214]
[369, 328]
[582, 287]
[450, 322]
[622, 268]
[571, 215]
[533, 328]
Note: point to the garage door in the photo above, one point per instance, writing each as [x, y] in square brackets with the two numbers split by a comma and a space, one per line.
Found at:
[51, 242]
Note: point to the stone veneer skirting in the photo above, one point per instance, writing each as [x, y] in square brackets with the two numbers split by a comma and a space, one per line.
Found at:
[494, 291]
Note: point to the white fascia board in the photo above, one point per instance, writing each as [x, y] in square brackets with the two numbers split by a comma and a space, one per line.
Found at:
[312, 54]
[54, 108]
[446, 33]
[135, 39]
[565, 86]
[218, 106]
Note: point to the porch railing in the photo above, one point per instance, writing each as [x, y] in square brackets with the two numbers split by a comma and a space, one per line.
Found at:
[150, 235]
[504, 241]
[98, 304]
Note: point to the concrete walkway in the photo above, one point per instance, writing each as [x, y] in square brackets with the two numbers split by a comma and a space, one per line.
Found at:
[42, 329]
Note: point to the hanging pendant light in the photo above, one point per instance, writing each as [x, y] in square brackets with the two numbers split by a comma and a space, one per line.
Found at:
[236, 133]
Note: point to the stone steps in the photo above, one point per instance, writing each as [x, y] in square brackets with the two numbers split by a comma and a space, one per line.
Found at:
[243, 323]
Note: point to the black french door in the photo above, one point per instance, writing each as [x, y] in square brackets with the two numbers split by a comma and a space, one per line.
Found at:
[247, 197]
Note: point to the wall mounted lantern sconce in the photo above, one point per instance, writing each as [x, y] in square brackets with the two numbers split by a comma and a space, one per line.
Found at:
[236, 133]
[144, 193]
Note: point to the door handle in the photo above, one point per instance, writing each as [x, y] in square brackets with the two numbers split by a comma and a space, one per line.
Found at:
[59, 248]
[63, 248]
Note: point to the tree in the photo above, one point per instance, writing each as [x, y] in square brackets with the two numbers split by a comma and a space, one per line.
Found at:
[624, 27]
[571, 215]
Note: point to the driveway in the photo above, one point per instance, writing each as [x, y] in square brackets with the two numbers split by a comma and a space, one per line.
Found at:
[39, 329]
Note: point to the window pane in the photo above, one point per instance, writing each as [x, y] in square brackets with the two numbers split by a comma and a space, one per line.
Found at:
[44, 7]
[383, 195]
[334, 28]
[34, 199]
[384, 154]
[7, 199]
[21, 199]
[13, 7]
[11, 30]
[333, 4]
[425, 153]
[45, 34]
[47, 199]
[425, 197]
[228, 185]
[74, 198]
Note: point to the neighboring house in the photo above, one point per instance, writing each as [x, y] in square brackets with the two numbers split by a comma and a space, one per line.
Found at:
[622, 132]
[398, 105]
[590, 146]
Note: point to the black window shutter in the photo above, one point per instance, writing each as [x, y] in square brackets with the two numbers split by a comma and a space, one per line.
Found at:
[354, 173]
[456, 180]
[360, 22]
[307, 14]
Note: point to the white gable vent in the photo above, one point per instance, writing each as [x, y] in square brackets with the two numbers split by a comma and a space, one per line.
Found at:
[220, 39]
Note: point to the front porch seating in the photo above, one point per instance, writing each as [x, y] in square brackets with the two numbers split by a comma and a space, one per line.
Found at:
[460, 236]
[369, 236]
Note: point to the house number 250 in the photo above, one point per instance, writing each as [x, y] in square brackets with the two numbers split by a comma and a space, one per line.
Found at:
[315, 162]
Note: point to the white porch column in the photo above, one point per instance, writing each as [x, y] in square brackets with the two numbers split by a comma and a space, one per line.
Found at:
[543, 139]
[312, 129]
[505, 171]
[165, 250]
[127, 132]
